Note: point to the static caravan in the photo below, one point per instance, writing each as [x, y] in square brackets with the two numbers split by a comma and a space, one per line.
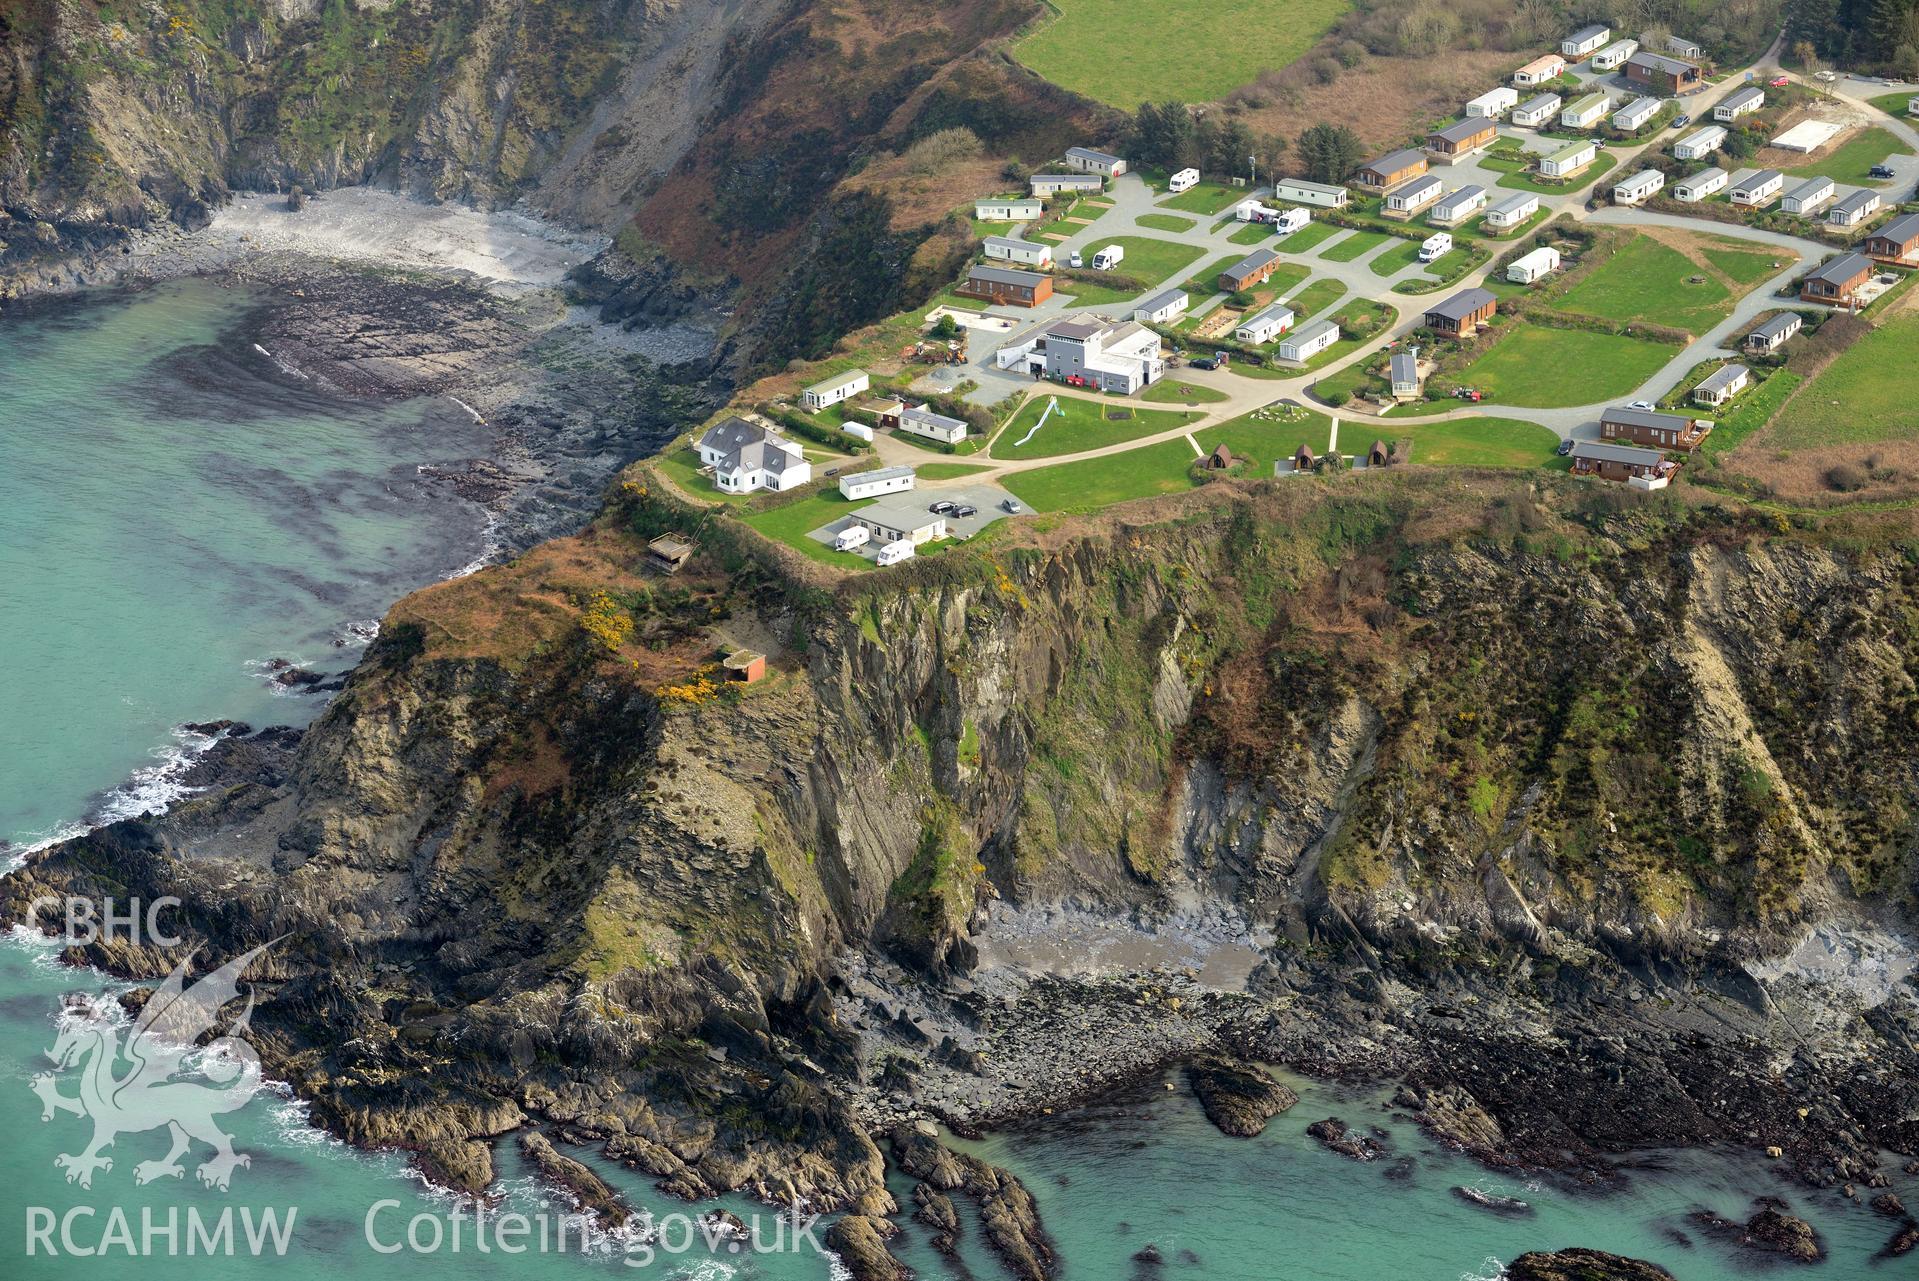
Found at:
[1184, 180]
[1636, 113]
[1512, 211]
[1019, 209]
[1722, 385]
[1403, 373]
[1614, 55]
[1757, 189]
[1536, 265]
[1086, 160]
[1535, 112]
[1320, 194]
[1854, 209]
[1415, 195]
[1739, 103]
[918, 420]
[1705, 183]
[1772, 335]
[1266, 326]
[1304, 344]
[1808, 198]
[872, 484]
[1585, 112]
[1494, 103]
[1684, 48]
[1568, 160]
[1162, 308]
[1541, 70]
[1639, 188]
[1027, 253]
[834, 390]
[1586, 40]
[1052, 184]
[1457, 206]
[1699, 144]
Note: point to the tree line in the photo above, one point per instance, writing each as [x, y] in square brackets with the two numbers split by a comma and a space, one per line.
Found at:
[1174, 136]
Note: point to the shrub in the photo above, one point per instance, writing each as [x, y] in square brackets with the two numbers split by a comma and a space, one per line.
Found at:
[1337, 397]
[1846, 477]
[942, 150]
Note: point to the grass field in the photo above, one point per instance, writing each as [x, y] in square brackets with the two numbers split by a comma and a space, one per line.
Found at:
[1126, 51]
[1207, 198]
[791, 523]
[1355, 245]
[1171, 391]
[1288, 277]
[1648, 280]
[1545, 368]
[1744, 266]
[1851, 159]
[1395, 260]
[682, 466]
[1252, 233]
[1166, 222]
[1344, 318]
[1267, 435]
[1474, 442]
[1580, 181]
[1315, 298]
[1854, 401]
[1755, 410]
[1313, 233]
[1204, 283]
[947, 471]
[1151, 260]
[1099, 482]
[1080, 424]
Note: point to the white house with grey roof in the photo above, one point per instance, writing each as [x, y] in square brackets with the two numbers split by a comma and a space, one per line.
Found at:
[1853, 209]
[1585, 40]
[1696, 187]
[1636, 113]
[834, 390]
[1808, 197]
[1756, 188]
[1614, 55]
[1163, 307]
[1415, 195]
[1266, 325]
[1320, 194]
[1772, 335]
[1541, 262]
[1740, 102]
[1639, 188]
[1457, 206]
[1721, 385]
[1119, 358]
[1086, 160]
[1512, 211]
[1303, 344]
[873, 484]
[920, 420]
[1029, 253]
[747, 456]
[1699, 144]
[1537, 110]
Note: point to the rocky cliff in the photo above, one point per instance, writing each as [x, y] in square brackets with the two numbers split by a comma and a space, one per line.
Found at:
[1523, 793]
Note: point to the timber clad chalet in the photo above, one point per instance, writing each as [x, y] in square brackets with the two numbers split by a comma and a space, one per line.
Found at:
[1461, 315]
[1837, 281]
[1897, 242]
[1006, 285]
[1627, 464]
[1655, 431]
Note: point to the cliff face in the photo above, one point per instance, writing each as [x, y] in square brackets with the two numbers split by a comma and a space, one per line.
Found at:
[1460, 738]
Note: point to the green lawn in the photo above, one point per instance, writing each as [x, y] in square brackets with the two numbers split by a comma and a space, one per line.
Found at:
[1315, 298]
[1207, 198]
[1251, 234]
[1478, 227]
[1267, 435]
[1149, 259]
[1852, 159]
[1124, 52]
[1171, 391]
[1345, 347]
[1080, 424]
[1354, 246]
[1289, 276]
[1745, 265]
[1166, 222]
[1092, 483]
[1395, 260]
[1858, 399]
[1647, 280]
[1754, 411]
[946, 471]
[791, 523]
[682, 466]
[1540, 367]
[1579, 182]
[1475, 442]
[1306, 237]
[1893, 104]
[1204, 283]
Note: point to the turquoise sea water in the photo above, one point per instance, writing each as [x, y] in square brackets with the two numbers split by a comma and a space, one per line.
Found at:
[174, 510]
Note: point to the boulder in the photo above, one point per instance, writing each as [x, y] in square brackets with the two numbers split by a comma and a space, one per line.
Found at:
[1238, 1097]
[1583, 1265]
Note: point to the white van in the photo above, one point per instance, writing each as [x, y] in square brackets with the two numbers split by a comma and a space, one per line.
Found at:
[850, 537]
[1291, 220]
[895, 552]
[1437, 246]
[1109, 258]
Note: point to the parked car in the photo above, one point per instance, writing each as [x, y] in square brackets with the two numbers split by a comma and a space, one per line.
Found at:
[1681, 120]
[1881, 171]
[942, 508]
[1642, 404]
[1012, 506]
[1075, 260]
[1565, 447]
[1206, 362]
[965, 509]
[1780, 82]
[832, 471]
[1466, 393]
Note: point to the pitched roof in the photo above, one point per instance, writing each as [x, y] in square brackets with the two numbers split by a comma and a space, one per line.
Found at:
[1899, 230]
[1841, 270]
[1464, 194]
[1606, 452]
[1251, 262]
[1542, 102]
[1596, 30]
[1462, 304]
[1810, 189]
[1572, 149]
[1404, 158]
[1703, 176]
[1778, 325]
[1405, 367]
[921, 414]
[731, 432]
[838, 381]
[1660, 62]
[1723, 377]
[1275, 311]
[1311, 333]
[1164, 298]
[878, 473]
[1464, 130]
[1762, 178]
[1513, 204]
[1857, 202]
[1740, 97]
[1647, 418]
[1087, 153]
[1008, 242]
[1004, 275]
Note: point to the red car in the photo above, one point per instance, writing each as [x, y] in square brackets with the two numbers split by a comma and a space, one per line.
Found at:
[1779, 81]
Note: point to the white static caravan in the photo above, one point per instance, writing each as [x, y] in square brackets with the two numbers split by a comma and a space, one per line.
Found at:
[1541, 262]
[1809, 197]
[1706, 182]
[1493, 104]
[1535, 112]
[1028, 253]
[1415, 195]
[1585, 40]
[834, 390]
[1184, 180]
[872, 484]
[1457, 206]
[1739, 103]
[1512, 211]
[1300, 192]
[1614, 55]
[1639, 188]
[1568, 160]
[1758, 189]
[1008, 209]
[1266, 326]
[1584, 113]
[1162, 307]
[1306, 343]
[1854, 209]
[1699, 144]
[1636, 113]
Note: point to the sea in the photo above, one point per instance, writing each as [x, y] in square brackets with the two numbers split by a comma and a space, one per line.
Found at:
[180, 509]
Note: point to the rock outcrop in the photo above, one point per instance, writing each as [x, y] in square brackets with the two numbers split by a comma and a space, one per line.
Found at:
[1583, 1265]
[1238, 1097]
